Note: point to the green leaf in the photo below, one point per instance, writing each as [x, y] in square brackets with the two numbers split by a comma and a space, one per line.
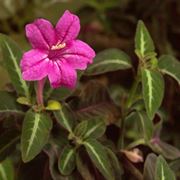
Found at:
[8, 103]
[99, 157]
[149, 167]
[153, 90]
[146, 125]
[24, 101]
[8, 141]
[117, 169]
[57, 94]
[109, 60]
[83, 168]
[35, 133]
[163, 171]
[144, 45]
[90, 128]
[12, 56]
[6, 170]
[64, 117]
[167, 150]
[66, 163]
[171, 66]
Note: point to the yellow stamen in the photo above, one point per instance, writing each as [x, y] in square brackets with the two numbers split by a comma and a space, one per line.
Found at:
[58, 46]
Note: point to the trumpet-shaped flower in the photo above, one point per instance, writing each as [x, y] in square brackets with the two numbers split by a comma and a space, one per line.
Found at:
[56, 52]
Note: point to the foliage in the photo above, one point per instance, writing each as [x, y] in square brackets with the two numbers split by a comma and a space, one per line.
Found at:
[96, 131]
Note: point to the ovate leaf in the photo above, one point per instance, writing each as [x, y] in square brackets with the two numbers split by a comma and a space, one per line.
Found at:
[66, 161]
[12, 55]
[144, 45]
[64, 117]
[109, 60]
[91, 128]
[99, 157]
[163, 171]
[149, 167]
[153, 90]
[8, 103]
[171, 66]
[6, 170]
[35, 133]
[146, 125]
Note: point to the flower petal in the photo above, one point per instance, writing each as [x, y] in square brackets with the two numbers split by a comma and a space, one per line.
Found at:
[40, 34]
[68, 75]
[78, 54]
[54, 74]
[31, 58]
[68, 27]
[37, 71]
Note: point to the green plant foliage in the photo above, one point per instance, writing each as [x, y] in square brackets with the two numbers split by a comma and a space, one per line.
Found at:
[6, 170]
[12, 55]
[109, 60]
[153, 90]
[64, 117]
[163, 171]
[146, 125]
[171, 66]
[83, 169]
[99, 157]
[116, 166]
[66, 161]
[144, 45]
[167, 150]
[35, 133]
[90, 129]
[149, 167]
[8, 142]
[8, 104]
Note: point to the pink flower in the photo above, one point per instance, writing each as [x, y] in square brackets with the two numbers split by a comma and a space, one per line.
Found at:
[56, 53]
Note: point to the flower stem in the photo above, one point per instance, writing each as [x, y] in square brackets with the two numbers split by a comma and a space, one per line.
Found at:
[39, 92]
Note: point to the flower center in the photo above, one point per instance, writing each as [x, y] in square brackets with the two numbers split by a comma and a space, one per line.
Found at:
[58, 46]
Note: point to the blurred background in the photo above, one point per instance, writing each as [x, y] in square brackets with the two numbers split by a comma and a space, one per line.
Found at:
[106, 24]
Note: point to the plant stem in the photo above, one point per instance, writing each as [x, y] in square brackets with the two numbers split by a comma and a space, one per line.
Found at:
[39, 92]
[127, 106]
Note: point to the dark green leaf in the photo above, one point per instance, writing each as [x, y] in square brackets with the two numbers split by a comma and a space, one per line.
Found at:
[163, 171]
[146, 125]
[83, 169]
[66, 161]
[57, 94]
[99, 157]
[153, 90]
[109, 60]
[143, 42]
[91, 128]
[35, 133]
[8, 141]
[149, 167]
[167, 150]
[12, 56]
[8, 103]
[171, 66]
[64, 117]
[6, 170]
[175, 165]
[117, 169]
